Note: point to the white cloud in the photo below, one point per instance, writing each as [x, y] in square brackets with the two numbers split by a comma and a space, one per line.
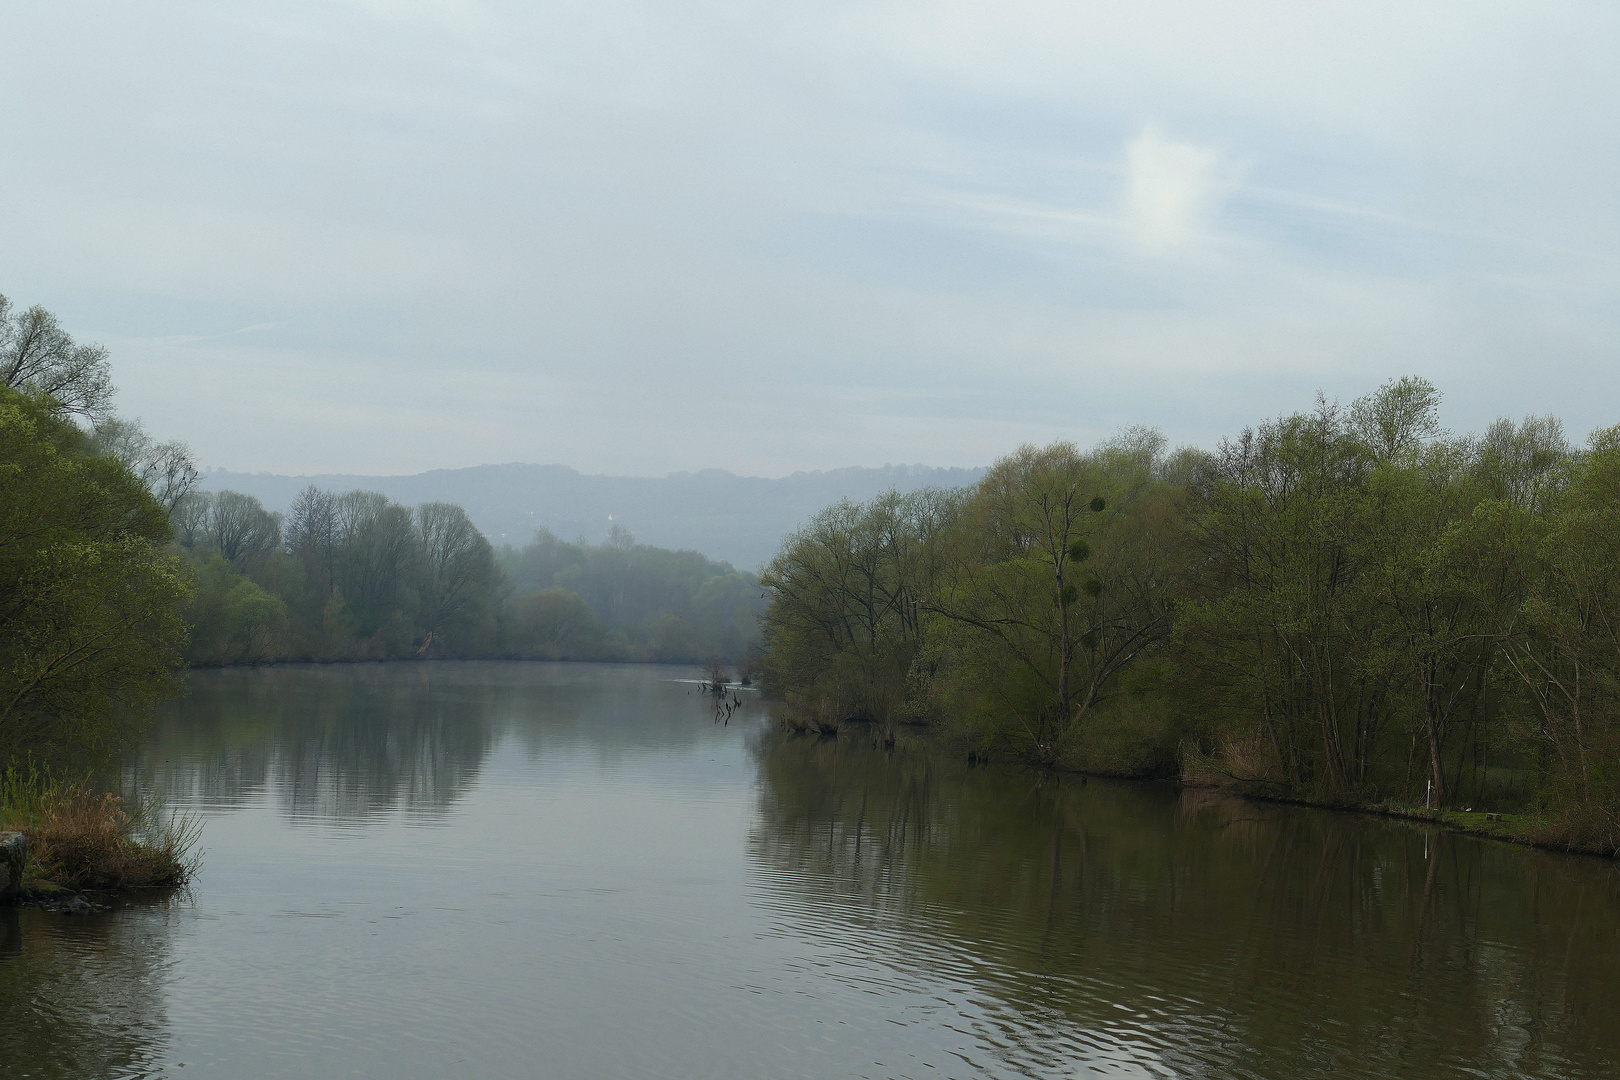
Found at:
[863, 226]
[1170, 190]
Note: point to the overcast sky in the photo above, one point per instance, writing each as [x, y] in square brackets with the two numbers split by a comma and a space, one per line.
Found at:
[386, 236]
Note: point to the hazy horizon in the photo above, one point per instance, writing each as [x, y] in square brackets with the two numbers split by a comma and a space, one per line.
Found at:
[737, 519]
[218, 470]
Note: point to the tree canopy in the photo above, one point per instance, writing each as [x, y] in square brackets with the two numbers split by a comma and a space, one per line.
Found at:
[1341, 604]
[38, 357]
[90, 627]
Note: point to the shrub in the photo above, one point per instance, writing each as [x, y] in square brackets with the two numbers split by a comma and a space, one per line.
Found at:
[80, 838]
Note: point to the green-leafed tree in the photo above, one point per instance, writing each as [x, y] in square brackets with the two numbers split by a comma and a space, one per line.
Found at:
[1564, 649]
[90, 632]
[1061, 580]
[844, 627]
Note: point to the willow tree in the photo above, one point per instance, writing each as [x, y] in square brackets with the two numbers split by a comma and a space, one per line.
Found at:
[39, 358]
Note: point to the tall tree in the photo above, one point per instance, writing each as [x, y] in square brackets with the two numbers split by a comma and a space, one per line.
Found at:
[166, 469]
[1565, 650]
[89, 626]
[1047, 594]
[241, 528]
[377, 558]
[38, 357]
[313, 532]
[458, 570]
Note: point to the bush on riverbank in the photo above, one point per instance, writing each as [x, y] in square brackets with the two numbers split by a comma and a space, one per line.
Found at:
[81, 838]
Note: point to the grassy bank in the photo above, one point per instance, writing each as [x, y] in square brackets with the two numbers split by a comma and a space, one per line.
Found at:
[81, 839]
[1130, 751]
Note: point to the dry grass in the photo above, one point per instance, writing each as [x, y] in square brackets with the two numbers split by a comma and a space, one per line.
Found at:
[79, 838]
[1582, 825]
[1241, 764]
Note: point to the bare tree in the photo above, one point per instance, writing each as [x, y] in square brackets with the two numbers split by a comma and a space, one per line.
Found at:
[190, 517]
[38, 357]
[241, 527]
[377, 551]
[313, 531]
[165, 468]
[458, 566]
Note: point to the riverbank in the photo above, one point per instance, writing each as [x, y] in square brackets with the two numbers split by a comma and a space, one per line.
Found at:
[1542, 831]
[1527, 830]
[68, 840]
[1546, 831]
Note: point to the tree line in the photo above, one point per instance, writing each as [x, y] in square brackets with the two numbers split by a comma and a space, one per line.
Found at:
[355, 576]
[1344, 605]
[117, 570]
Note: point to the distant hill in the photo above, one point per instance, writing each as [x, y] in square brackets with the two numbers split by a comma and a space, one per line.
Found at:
[738, 519]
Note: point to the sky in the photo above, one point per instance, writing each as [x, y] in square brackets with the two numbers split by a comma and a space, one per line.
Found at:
[384, 236]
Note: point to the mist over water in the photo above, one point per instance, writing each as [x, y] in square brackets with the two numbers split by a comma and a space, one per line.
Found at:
[571, 870]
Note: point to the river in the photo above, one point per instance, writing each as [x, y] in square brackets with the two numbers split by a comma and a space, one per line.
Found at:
[572, 870]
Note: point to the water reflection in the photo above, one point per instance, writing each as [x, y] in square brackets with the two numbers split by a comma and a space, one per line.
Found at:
[617, 886]
[341, 744]
[82, 997]
[1188, 934]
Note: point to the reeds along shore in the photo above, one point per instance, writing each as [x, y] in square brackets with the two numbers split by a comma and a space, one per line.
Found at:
[83, 839]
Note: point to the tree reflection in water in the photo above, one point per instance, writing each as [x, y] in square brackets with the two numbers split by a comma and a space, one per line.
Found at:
[338, 743]
[343, 743]
[1190, 933]
[82, 997]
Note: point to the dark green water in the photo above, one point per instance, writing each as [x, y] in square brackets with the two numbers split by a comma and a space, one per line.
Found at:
[532, 870]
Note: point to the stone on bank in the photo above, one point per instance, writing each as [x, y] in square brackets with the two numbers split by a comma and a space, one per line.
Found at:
[13, 857]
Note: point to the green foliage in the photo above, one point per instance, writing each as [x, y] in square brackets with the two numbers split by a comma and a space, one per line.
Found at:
[651, 603]
[355, 576]
[845, 626]
[555, 624]
[1345, 605]
[1564, 646]
[89, 625]
[973, 607]
[233, 620]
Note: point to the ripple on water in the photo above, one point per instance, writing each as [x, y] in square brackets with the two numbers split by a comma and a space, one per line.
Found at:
[570, 871]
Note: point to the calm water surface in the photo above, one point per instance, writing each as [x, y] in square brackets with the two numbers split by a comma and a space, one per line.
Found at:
[532, 870]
